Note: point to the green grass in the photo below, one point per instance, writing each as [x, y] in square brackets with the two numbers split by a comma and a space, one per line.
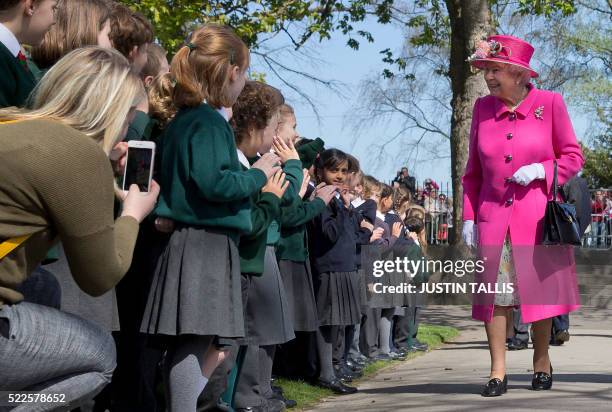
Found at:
[307, 395]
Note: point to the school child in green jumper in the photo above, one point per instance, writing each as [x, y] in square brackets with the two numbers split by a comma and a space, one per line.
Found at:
[292, 359]
[255, 120]
[21, 22]
[195, 302]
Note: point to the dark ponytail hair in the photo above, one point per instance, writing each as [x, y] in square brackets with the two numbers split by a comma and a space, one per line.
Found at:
[386, 191]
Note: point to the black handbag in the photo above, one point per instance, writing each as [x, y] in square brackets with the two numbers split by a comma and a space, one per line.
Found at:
[560, 223]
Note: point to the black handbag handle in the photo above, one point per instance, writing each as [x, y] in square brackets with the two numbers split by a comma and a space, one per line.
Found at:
[555, 181]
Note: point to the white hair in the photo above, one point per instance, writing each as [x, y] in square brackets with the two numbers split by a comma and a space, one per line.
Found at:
[522, 75]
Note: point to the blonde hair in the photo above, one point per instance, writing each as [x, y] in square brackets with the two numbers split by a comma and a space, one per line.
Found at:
[161, 106]
[91, 90]
[370, 186]
[286, 110]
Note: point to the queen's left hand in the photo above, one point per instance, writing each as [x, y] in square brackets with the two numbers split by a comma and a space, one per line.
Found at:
[527, 174]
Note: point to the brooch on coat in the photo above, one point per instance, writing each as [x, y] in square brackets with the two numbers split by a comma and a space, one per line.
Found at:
[539, 112]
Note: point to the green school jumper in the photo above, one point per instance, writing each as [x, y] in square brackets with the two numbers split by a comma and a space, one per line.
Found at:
[141, 128]
[202, 181]
[293, 244]
[265, 212]
[16, 82]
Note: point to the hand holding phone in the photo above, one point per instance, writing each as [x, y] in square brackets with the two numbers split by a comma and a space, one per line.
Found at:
[137, 204]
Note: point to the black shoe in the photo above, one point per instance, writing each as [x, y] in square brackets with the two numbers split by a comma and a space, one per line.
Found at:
[252, 409]
[405, 351]
[359, 360]
[495, 387]
[516, 344]
[416, 345]
[343, 371]
[383, 357]
[277, 389]
[355, 374]
[275, 405]
[354, 366]
[397, 356]
[342, 377]
[562, 336]
[542, 381]
[336, 386]
[289, 403]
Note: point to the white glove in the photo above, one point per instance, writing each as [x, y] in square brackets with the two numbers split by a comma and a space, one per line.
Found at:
[469, 232]
[529, 173]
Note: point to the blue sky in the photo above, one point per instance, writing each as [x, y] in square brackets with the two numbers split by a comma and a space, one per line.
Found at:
[339, 62]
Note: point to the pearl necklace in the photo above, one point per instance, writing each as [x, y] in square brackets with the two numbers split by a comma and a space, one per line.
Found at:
[513, 108]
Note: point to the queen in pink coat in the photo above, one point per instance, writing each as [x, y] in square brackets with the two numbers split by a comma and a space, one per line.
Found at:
[517, 134]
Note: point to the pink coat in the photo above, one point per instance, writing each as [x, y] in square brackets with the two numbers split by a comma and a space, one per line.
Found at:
[501, 142]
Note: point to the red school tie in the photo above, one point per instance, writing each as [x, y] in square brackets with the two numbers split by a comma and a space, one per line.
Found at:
[23, 60]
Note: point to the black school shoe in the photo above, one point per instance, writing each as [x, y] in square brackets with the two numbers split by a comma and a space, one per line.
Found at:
[354, 366]
[495, 387]
[542, 381]
[336, 386]
[420, 346]
[517, 344]
[271, 405]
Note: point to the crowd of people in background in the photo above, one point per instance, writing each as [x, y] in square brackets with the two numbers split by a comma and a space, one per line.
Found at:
[257, 251]
[599, 234]
[436, 203]
[438, 207]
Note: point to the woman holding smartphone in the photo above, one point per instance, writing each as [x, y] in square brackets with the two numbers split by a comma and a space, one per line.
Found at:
[59, 184]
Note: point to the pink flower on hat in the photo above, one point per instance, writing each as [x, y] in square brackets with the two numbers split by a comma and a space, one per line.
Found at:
[503, 49]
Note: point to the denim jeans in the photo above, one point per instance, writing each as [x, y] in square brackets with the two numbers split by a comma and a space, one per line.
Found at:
[48, 351]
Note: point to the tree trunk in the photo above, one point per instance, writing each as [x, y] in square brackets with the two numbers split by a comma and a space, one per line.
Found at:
[470, 22]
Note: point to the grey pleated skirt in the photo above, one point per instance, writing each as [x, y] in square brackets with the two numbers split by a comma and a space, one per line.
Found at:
[267, 314]
[297, 278]
[196, 287]
[338, 298]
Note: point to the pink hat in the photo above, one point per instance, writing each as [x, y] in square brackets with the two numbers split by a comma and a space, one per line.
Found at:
[503, 49]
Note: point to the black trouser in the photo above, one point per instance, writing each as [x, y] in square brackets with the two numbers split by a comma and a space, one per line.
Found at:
[521, 330]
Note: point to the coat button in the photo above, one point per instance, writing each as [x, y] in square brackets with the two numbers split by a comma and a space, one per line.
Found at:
[509, 202]
[509, 136]
[512, 116]
[508, 158]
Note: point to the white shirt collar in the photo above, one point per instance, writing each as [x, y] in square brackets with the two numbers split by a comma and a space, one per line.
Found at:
[380, 215]
[243, 159]
[357, 202]
[9, 40]
[223, 113]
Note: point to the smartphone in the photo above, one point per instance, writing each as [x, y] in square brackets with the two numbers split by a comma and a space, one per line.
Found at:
[139, 165]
